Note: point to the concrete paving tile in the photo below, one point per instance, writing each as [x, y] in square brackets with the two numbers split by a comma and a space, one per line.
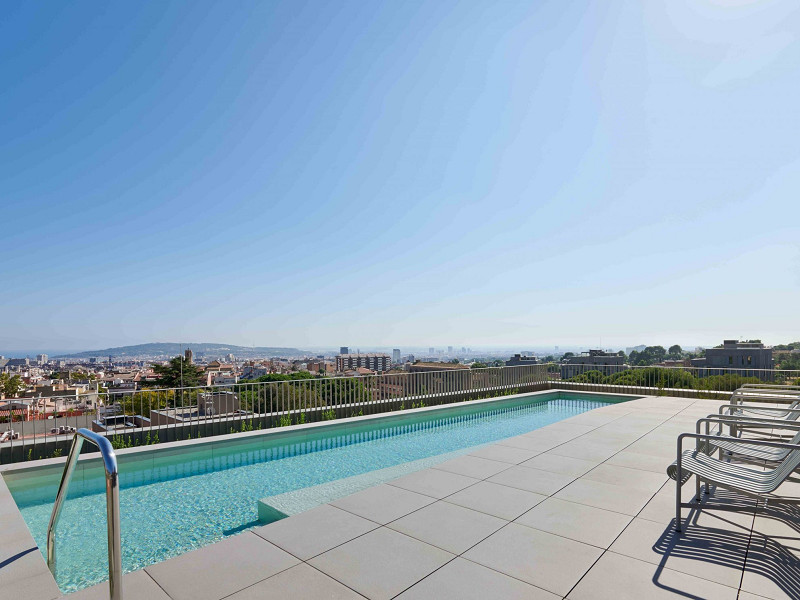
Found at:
[498, 500]
[473, 466]
[644, 462]
[220, 569]
[505, 454]
[630, 478]
[556, 463]
[578, 522]
[383, 503]
[315, 531]
[566, 427]
[532, 480]
[547, 561]
[537, 445]
[748, 596]
[593, 451]
[448, 526]
[593, 419]
[712, 548]
[553, 435]
[780, 521]
[35, 587]
[772, 568]
[611, 497]
[381, 563]
[137, 584]
[301, 581]
[664, 448]
[661, 508]
[465, 580]
[434, 482]
[23, 570]
[623, 578]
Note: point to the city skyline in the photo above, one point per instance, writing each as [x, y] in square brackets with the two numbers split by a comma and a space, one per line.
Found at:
[312, 173]
[421, 349]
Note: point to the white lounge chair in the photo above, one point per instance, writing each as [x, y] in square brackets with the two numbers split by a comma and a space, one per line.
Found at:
[727, 475]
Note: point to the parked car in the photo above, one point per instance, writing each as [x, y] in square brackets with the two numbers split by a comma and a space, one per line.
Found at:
[62, 430]
[9, 434]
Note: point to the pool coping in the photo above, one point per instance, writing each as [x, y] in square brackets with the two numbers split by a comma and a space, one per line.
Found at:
[26, 570]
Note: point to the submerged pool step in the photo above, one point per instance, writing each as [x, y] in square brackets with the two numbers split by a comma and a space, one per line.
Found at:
[280, 506]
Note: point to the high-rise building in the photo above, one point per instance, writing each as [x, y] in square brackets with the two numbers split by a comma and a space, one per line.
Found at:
[344, 350]
[431, 350]
[188, 355]
[449, 349]
[396, 356]
[372, 361]
[41, 359]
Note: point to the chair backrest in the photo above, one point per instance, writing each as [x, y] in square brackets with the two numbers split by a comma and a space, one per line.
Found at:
[785, 468]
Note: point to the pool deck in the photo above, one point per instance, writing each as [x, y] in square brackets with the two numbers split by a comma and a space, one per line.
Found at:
[580, 509]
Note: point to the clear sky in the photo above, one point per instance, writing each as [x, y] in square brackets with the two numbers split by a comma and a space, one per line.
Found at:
[399, 173]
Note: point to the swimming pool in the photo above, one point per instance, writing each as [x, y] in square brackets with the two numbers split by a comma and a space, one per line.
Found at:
[173, 500]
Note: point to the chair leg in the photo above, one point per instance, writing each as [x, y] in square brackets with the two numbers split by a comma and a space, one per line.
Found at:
[678, 501]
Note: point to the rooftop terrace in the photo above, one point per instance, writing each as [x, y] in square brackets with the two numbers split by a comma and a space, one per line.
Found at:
[578, 509]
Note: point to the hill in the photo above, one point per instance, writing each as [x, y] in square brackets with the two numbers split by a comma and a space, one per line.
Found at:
[167, 349]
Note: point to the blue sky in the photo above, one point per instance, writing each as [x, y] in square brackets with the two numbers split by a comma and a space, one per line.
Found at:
[401, 173]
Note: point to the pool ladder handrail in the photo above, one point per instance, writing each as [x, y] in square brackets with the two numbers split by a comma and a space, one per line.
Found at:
[112, 507]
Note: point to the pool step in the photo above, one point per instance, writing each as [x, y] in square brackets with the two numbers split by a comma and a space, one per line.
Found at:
[280, 506]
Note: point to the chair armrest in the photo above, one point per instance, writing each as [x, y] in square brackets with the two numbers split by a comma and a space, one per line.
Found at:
[743, 408]
[723, 438]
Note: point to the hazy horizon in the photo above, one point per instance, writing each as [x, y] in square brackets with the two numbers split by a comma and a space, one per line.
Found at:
[421, 349]
[466, 173]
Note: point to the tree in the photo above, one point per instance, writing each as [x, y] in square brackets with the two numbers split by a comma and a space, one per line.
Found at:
[454, 361]
[479, 365]
[567, 355]
[178, 372]
[675, 352]
[648, 356]
[10, 386]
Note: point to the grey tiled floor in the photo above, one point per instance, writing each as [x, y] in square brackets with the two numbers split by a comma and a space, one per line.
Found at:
[581, 509]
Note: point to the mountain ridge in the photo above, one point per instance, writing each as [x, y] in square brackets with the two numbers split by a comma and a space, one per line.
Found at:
[173, 349]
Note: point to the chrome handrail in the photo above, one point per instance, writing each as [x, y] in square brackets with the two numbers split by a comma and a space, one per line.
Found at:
[112, 507]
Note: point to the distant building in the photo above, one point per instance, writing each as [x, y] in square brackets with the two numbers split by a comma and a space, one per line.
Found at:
[594, 360]
[431, 350]
[519, 359]
[396, 356]
[449, 349]
[41, 359]
[371, 361]
[435, 366]
[252, 371]
[344, 350]
[733, 354]
[188, 357]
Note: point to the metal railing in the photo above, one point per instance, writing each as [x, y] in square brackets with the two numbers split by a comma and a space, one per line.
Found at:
[716, 383]
[112, 507]
[148, 416]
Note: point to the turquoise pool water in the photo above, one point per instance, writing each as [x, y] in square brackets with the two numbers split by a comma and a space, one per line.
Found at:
[176, 501]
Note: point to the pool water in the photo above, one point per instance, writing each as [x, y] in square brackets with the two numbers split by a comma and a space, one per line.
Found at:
[173, 502]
